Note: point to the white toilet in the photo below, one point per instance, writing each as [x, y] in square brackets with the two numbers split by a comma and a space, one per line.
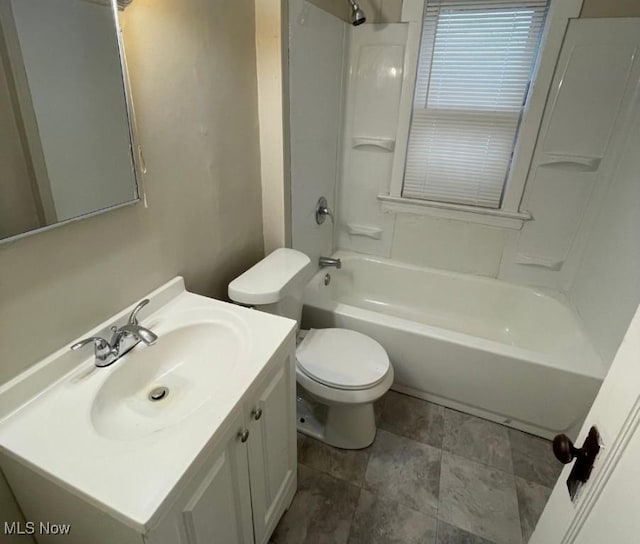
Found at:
[342, 370]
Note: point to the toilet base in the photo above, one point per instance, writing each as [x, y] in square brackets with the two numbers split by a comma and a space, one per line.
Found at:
[351, 427]
[346, 426]
[309, 421]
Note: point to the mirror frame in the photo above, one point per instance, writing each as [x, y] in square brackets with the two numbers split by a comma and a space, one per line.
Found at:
[135, 150]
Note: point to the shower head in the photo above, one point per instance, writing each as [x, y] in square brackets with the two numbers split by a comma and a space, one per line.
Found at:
[357, 15]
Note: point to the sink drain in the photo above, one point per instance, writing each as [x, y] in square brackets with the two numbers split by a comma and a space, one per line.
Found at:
[158, 393]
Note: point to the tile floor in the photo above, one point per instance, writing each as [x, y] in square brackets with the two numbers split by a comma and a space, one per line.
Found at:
[432, 476]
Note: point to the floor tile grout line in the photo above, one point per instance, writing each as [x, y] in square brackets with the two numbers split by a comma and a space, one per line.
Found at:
[511, 473]
[366, 466]
[479, 462]
[515, 483]
[511, 476]
[409, 438]
[395, 501]
[438, 519]
[393, 429]
[327, 472]
[353, 516]
[439, 489]
[515, 486]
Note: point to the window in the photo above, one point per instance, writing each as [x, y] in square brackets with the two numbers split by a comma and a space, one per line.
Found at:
[475, 65]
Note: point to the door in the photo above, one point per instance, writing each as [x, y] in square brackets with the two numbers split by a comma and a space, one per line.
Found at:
[272, 448]
[606, 508]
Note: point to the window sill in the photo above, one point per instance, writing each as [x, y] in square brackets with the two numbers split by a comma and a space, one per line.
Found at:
[457, 212]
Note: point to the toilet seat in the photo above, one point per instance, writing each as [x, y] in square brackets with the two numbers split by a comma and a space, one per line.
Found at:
[342, 359]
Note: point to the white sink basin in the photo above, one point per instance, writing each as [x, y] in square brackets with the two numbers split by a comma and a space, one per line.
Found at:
[185, 368]
[94, 430]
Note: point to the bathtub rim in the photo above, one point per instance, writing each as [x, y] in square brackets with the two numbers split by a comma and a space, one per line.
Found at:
[538, 290]
[593, 367]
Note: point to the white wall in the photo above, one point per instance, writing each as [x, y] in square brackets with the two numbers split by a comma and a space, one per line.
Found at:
[606, 290]
[562, 204]
[70, 55]
[448, 244]
[376, 68]
[317, 42]
[586, 119]
[372, 96]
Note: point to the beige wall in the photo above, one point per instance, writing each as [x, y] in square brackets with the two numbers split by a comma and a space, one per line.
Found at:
[376, 11]
[271, 66]
[192, 65]
[610, 8]
[193, 71]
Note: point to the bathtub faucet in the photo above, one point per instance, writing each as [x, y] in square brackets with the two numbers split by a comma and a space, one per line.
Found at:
[329, 261]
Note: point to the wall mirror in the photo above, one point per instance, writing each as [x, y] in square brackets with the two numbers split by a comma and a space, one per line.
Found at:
[65, 138]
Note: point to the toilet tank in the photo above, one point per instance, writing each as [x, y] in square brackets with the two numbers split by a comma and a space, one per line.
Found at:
[275, 284]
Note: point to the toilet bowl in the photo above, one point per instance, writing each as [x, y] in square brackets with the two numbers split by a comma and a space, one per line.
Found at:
[347, 371]
[340, 371]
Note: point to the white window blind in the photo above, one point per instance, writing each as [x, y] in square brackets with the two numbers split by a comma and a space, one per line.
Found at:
[476, 61]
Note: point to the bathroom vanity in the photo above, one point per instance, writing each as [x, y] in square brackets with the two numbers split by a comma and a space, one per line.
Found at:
[212, 460]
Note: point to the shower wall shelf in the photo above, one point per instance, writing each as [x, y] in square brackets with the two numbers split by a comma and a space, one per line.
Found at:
[571, 162]
[386, 144]
[364, 230]
[538, 260]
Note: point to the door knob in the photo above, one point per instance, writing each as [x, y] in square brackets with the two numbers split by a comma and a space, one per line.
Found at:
[243, 435]
[585, 457]
[564, 450]
[257, 413]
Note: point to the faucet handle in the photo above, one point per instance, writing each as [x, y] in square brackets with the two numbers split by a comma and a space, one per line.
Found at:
[133, 318]
[322, 210]
[102, 348]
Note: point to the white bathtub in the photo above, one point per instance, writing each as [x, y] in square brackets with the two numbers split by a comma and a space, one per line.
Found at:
[505, 352]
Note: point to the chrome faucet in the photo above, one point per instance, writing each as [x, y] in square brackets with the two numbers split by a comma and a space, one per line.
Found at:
[329, 261]
[123, 340]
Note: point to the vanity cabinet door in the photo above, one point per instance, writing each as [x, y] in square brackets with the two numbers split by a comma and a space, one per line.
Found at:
[271, 422]
[220, 509]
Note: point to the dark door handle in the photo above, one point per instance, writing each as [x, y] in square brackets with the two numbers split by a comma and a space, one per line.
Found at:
[564, 450]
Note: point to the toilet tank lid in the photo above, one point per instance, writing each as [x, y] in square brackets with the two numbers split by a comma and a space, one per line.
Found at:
[267, 281]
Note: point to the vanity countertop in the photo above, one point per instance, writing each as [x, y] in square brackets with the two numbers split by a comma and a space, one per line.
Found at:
[59, 417]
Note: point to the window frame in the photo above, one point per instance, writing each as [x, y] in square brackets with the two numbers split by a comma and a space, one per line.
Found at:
[510, 214]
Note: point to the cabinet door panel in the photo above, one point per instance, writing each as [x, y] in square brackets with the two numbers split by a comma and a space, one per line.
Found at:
[272, 449]
[219, 512]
